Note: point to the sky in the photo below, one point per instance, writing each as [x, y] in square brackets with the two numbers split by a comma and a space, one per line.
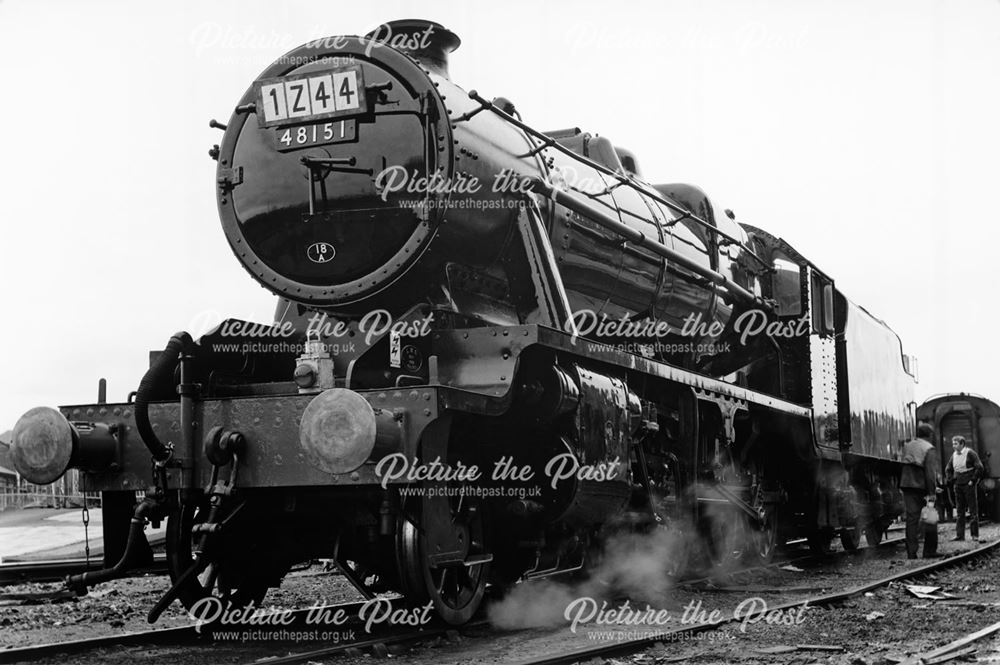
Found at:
[864, 133]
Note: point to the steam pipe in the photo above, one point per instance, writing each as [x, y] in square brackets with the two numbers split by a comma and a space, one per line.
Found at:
[189, 391]
[82, 581]
[160, 370]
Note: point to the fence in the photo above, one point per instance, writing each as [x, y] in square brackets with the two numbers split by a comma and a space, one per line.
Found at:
[12, 498]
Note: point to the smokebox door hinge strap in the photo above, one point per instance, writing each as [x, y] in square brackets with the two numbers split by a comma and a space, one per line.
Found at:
[229, 178]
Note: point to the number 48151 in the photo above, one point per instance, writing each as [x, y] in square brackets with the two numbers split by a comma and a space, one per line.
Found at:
[328, 132]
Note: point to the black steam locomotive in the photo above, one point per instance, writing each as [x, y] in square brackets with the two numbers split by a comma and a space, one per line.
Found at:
[493, 346]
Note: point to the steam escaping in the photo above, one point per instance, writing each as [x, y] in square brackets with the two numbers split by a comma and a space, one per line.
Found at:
[538, 604]
[729, 539]
[640, 566]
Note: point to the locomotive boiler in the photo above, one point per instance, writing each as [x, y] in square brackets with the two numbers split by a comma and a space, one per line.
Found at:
[493, 347]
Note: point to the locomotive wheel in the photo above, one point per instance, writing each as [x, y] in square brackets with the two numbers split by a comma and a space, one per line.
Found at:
[725, 537]
[456, 590]
[213, 579]
[874, 532]
[850, 536]
[680, 555]
[858, 522]
[765, 538]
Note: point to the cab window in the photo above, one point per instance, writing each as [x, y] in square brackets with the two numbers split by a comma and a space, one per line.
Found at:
[786, 287]
[822, 305]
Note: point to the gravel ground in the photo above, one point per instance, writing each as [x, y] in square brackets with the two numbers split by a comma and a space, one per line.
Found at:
[120, 607]
[883, 626]
[875, 628]
[866, 630]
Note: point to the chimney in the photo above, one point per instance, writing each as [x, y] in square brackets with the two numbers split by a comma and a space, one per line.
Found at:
[426, 41]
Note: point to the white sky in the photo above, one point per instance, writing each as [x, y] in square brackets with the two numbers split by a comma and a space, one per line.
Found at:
[866, 134]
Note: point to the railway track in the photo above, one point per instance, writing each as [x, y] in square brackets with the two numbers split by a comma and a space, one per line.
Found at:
[787, 556]
[382, 641]
[194, 637]
[55, 570]
[631, 646]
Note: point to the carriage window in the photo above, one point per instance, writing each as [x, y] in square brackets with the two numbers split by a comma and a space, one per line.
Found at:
[786, 287]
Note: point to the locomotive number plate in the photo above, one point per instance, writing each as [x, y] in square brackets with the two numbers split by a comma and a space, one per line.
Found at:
[298, 98]
[304, 136]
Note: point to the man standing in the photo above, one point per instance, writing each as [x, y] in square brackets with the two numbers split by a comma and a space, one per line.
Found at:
[966, 468]
[918, 480]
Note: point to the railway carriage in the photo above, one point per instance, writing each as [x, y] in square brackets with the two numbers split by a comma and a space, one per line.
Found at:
[978, 420]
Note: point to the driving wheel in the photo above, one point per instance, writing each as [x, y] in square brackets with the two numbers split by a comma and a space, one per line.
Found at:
[212, 576]
[455, 587]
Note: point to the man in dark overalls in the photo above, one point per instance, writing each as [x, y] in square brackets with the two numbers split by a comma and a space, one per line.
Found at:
[965, 468]
[918, 480]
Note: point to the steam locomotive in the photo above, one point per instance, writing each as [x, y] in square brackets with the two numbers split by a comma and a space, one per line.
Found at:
[493, 347]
